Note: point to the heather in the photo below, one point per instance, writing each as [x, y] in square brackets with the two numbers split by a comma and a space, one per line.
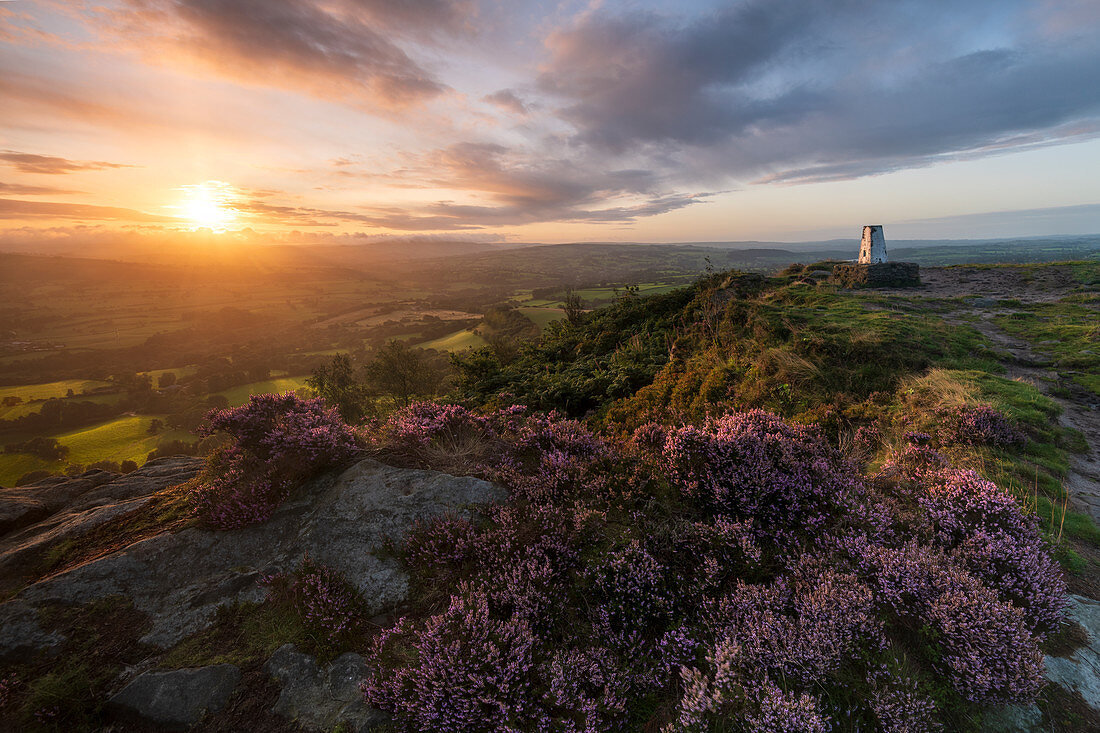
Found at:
[275, 443]
[737, 573]
[329, 608]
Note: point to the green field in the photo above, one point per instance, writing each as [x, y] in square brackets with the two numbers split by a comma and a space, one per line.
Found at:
[542, 316]
[180, 372]
[27, 408]
[239, 395]
[48, 390]
[125, 438]
[457, 341]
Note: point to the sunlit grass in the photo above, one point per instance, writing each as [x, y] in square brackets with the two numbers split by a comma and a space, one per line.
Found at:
[239, 395]
[457, 341]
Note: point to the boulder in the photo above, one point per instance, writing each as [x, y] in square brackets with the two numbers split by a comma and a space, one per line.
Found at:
[71, 507]
[179, 579]
[21, 635]
[24, 505]
[1080, 670]
[1012, 719]
[179, 698]
[877, 275]
[320, 698]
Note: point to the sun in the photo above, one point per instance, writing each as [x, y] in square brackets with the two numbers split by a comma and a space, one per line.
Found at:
[209, 205]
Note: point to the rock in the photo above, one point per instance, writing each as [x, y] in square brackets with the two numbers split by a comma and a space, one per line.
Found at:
[24, 505]
[178, 698]
[321, 698]
[89, 500]
[20, 634]
[1012, 719]
[1080, 671]
[179, 579]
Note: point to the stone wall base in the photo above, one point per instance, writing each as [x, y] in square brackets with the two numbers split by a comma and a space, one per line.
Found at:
[881, 275]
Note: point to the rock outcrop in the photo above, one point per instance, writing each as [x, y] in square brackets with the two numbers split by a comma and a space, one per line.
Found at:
[177, 580]
[35, 518]
[178, 698]
[320, 698]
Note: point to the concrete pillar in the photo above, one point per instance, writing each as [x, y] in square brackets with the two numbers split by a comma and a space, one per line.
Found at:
[872, 249]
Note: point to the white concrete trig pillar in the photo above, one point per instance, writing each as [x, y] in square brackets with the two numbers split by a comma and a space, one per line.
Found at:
[872, 248]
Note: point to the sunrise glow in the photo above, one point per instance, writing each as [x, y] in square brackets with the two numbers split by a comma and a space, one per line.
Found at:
[209, 205]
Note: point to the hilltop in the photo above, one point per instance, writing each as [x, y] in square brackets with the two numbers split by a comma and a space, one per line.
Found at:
[752, 503]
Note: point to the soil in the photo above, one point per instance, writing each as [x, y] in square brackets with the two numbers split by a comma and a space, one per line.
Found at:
[1002, 282]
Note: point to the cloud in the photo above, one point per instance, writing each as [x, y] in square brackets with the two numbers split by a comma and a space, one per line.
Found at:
[798, 90]
[17, 209]
[52, 164]
[337, 51]
[508, 101]
[18, 189]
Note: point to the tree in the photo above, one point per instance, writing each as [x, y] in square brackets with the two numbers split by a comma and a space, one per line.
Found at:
[573, 306]
[342, 387]
[402, 373]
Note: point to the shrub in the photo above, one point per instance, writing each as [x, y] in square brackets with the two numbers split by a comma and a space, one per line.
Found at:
[325, 603]
[736, 575]
[47, 449]
[32, 477]
[277, 442]
[472, 672]
[755, 465]
[977, 425]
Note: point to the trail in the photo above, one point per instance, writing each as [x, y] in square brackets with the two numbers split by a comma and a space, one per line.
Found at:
[1080, 411]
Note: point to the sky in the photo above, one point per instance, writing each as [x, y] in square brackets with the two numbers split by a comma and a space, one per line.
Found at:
[338, 120]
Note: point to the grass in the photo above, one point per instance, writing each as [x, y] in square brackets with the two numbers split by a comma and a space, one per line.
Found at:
[124, 438]
[542, 316]
[240, 634]
[457, 341]
[1066, 333]
[1034, 471]
[67, 692]
[49, 390]
[239, 395]
[180, 372]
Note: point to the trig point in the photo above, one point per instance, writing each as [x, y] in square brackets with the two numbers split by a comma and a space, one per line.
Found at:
[872, 270]
[872, 249]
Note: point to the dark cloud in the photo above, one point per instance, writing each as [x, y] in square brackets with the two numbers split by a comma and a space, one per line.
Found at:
[53, 165]
[799, 90]
[333, 50]
[523, 187]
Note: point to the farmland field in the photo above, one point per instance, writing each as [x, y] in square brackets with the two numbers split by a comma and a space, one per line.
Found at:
[457, 341]
[126, 438]
[239, 395]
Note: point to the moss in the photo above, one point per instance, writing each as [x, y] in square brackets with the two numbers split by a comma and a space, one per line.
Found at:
[168, 510]
[241, 634]
[1065, 334]
[66, 692]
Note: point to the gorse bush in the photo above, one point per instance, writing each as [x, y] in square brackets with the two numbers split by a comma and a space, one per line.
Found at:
[276, 442]
[736, 575]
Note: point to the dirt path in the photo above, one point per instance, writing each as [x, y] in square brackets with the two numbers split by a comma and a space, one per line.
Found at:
[1079, 411]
